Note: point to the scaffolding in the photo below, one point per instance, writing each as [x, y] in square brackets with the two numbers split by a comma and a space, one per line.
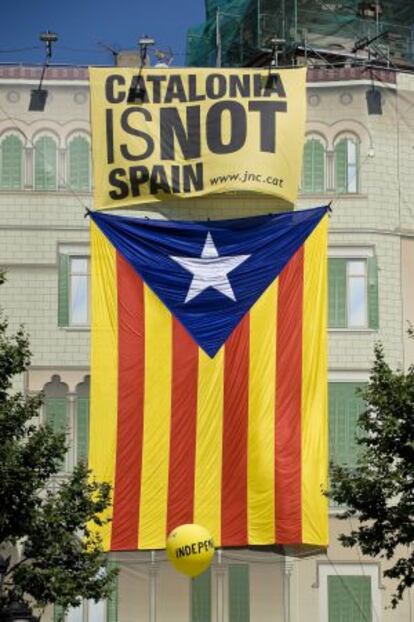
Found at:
[237, 32]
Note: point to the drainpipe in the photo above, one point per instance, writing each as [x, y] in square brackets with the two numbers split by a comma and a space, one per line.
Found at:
[220, 573]
[288, 570]
[153, 573]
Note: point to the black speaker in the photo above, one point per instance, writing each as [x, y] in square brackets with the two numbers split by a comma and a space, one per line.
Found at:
[38, 99]
[374, 101]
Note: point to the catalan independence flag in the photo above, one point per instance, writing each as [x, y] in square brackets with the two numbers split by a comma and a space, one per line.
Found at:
[209, 378]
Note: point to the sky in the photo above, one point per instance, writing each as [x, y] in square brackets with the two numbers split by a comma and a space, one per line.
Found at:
[82, 24]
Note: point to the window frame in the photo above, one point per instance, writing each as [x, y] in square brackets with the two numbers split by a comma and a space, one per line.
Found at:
[350, 254]
[313, 136]
[87, 276]
[65, 253]
[348, 568]
[71, 138]
[343, 377]
[55, 139]
[353, 138]
[21, 138]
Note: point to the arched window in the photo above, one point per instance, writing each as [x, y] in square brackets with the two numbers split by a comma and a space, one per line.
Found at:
[11, 163]
[56, 413]
[79, 164]
[82, 420]
[346, 165]
[45, 164]
[313, 174]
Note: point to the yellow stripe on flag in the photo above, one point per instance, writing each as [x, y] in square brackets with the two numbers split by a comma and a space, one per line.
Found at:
[207, 493]
[104, 368]
[261, 426]
[157, 418]
[314, 389]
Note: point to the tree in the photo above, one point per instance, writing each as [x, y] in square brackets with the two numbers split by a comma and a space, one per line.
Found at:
[61, 559]
[379, 491]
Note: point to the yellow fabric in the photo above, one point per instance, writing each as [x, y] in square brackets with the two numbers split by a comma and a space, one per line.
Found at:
[104, 367]
[157, 418]
[314, 389]
[261, 436]
[236, 145]
[209, 435]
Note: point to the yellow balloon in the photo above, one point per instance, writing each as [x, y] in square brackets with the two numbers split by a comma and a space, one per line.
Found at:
[190, 549]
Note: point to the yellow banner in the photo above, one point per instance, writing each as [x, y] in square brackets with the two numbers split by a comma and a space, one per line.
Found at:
[165, 133]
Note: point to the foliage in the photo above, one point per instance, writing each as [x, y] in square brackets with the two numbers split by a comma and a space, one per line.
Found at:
[379, 491]
[61, 559]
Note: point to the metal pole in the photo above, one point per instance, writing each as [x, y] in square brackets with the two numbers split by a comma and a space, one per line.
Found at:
[153, 571]
[220, 588]
[296, 20]
[218, 39]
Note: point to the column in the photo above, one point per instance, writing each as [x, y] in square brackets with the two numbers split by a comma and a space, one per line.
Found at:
[28, 169]
[63, 177]
[153, 573]
[219, 574]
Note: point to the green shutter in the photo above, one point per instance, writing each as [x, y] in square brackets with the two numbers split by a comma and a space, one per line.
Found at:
[201, 598]
[341, 166]
[63, 290]
[337, 293]
[349, 598]
[373, 311]
[58, 613]
[313, 166]
[45, 171]
[318, 166]
[11, 154]
[56, 413]
[239, 593]
[345, 406]
[112, 602]
[82, 428]
[307, 167]
[79, 164]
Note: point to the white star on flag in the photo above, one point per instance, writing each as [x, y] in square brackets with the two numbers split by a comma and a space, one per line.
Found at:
[210, 270]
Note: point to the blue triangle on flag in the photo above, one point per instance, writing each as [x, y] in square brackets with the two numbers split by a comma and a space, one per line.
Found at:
[209, 273]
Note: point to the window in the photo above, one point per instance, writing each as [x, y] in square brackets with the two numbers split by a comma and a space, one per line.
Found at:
[346, 165]
[345, 406]
[313, 174]
[79, 164]
[56, 408]
[73, 293]
[68, 412]
[45, 164]
[91, 611]
[239, 593]
[11, 163]
[349, 598]
[82, 421]
[349, 592]
[353, 292]
[201, 598]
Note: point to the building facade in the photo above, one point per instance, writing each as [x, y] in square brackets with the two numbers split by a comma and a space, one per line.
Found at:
[360, 162]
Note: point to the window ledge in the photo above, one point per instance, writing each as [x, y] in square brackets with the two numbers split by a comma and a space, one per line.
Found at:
[77, 329]
[332, 195]
[353, 330]
[335, 510]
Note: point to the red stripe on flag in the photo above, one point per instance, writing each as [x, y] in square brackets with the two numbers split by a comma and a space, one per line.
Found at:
[131, 343]
[183, 428]
[235, 420]
[288, 403]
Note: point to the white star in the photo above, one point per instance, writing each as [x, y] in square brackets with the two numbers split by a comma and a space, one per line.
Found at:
[210, 270]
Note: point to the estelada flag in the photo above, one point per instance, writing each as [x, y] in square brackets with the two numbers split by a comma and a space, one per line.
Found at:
[209, 378]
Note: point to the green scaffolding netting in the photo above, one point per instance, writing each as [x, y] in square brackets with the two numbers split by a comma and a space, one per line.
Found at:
[236, 31]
